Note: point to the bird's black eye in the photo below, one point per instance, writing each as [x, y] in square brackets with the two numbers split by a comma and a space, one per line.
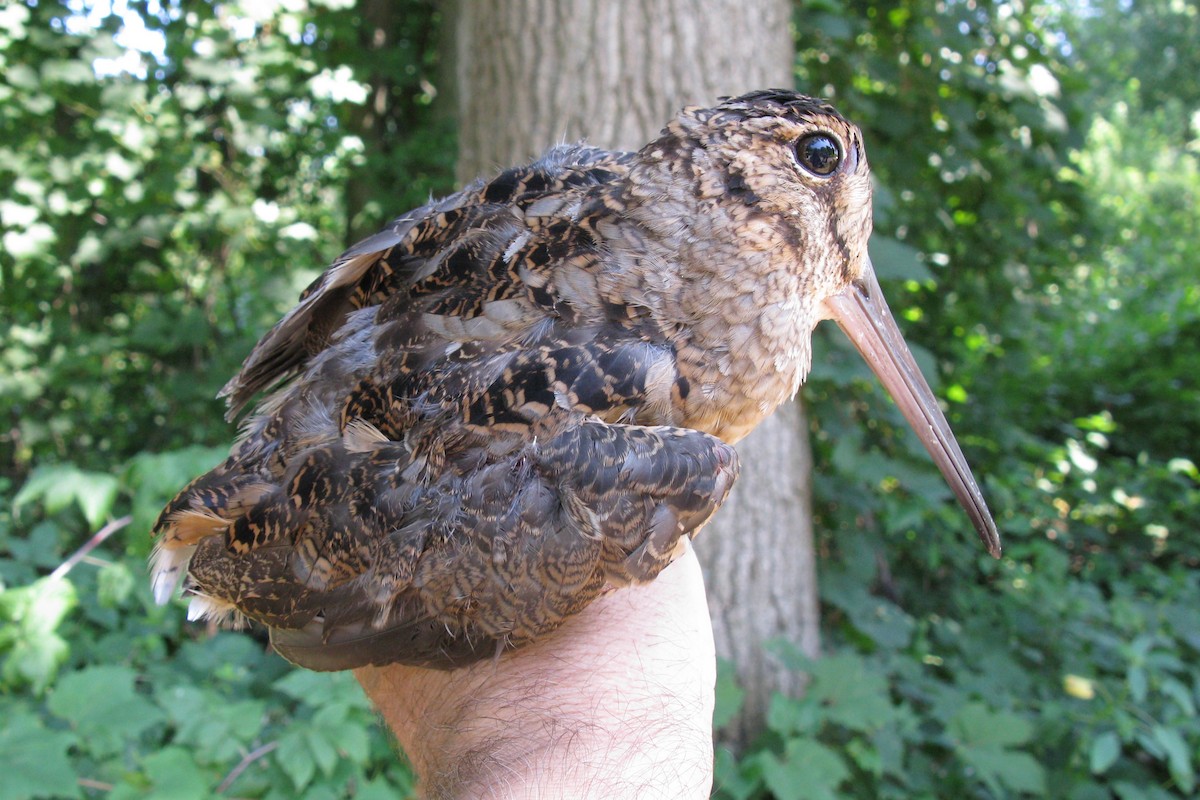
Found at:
[819, 154]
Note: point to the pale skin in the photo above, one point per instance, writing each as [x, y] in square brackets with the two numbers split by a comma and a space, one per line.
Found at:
[616, 703]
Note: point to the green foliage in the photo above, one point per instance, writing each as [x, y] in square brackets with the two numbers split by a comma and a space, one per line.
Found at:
[62, 485]
[149, 241]
[36, 761]
[30, 642]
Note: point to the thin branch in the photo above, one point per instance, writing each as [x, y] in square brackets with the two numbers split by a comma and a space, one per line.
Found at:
[88, 783]
[247, 760]
[90, 545]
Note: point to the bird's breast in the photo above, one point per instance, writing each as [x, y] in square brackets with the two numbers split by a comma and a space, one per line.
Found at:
[736, 384]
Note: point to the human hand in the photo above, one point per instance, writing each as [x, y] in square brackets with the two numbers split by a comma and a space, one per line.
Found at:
[616, 703]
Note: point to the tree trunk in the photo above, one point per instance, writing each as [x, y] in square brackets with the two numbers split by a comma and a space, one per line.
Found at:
[532, 73]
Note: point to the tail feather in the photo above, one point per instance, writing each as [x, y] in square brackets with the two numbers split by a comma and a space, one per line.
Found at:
[203, 607]
[168, 565]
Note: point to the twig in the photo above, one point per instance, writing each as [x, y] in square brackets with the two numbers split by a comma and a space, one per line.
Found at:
[88, 783]
[247, 760]
[90, 545]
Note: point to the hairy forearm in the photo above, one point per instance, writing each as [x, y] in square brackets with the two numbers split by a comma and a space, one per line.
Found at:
[617, 703]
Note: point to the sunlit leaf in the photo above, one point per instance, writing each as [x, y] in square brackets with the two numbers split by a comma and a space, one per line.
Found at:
[31, 645]
[95, 493]
[59, 486]
[115, 582]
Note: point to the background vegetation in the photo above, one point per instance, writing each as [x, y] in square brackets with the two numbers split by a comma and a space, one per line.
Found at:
[172, 175]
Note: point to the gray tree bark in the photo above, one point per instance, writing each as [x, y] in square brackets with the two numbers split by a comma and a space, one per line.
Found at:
[532, 73]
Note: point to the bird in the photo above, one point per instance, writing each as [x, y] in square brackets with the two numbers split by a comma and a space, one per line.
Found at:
[527, 393]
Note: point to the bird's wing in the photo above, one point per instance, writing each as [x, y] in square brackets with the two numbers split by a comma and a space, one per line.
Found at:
[494, 551]
[411, 256]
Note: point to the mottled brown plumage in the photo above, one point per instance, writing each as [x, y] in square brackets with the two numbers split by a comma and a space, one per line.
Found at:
[518, 394]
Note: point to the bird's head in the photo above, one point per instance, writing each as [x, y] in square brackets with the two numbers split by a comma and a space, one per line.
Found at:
[793, 164]
[782, 179]
[774, 174]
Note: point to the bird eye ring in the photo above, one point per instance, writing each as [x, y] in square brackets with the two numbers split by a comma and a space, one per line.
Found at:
[819, 154]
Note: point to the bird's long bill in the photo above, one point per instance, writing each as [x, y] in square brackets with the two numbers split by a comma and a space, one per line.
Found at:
[864, 315]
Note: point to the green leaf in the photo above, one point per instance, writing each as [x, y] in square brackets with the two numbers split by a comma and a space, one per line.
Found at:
[377, 790]
[885, 623]
[35, 760]
[1019, 772]
[895, 260]
[1105, 749]
[320, 744]
[729, 695]
[976, 725]
[789, 716]
[865, 756]
[322, 689]
[333, 733]
[1136, 679]
[850, 694]
[70, 71]
[354, 742]
[984, 737]
[58, 486]
[95, 492]
[1181, 695]
[808, 770]
[29, 619]
[212, 726]
[295, 758]
[114, 584]
[22, 77]
[734, 781]
[304, 685]
[175, 776]
[890, 747]
[1128, 791]
[103, 707]
[1179, 760]
[44, 484]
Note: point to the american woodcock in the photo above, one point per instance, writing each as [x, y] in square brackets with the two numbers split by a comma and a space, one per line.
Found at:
[511, 397]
